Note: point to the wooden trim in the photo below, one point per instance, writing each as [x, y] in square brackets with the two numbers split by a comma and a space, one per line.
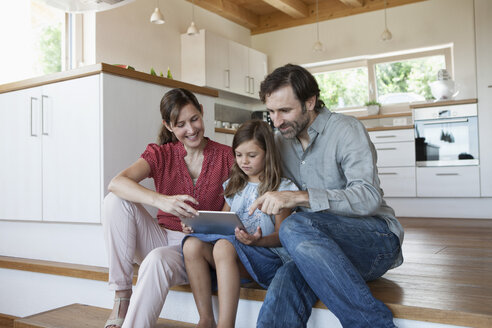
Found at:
[385, 128]
[7, 320]
[104, 68]
[222, 130]
[371, 117]
[446, 103]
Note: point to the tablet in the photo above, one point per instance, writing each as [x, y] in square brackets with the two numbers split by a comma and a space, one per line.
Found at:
[216, 222]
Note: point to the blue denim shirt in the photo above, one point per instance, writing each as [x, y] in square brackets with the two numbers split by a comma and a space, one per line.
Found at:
[338, 170]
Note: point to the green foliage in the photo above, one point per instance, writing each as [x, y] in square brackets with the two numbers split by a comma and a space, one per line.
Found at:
[344, 88]
[152, 71]
[169, 75]
[50, 47]
[408, 76]
[372, 103]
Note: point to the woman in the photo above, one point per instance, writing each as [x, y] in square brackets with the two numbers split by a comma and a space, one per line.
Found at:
[188, 171]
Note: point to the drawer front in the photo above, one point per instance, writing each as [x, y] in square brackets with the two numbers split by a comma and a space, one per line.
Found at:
[455, 181]
[391, 136]
[398, 181]
[396, 154]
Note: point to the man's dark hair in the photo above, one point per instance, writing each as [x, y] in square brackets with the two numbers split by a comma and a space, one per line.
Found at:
[302, 82]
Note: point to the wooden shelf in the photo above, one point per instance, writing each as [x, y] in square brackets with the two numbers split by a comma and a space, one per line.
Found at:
[373, 117]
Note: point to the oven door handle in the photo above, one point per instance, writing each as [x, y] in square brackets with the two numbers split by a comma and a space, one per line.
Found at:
[457, 120]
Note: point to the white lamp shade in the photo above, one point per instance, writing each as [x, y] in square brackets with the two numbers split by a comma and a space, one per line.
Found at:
[318, 46]
[192, 30]
[386, 35]
[157, 17]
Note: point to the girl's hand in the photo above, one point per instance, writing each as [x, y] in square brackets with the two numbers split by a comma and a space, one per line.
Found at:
[244, 237]
[176, 205]
[186, 229]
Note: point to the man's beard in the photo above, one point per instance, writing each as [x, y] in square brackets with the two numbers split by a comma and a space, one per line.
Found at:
[295, 128]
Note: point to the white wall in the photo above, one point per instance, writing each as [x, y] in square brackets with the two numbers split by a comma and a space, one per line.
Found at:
[125, 35]
[423, 24]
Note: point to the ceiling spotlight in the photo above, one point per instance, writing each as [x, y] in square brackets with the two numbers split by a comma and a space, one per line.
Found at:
[318, 46]
[157, 17]
[386, 35]
[192, 30]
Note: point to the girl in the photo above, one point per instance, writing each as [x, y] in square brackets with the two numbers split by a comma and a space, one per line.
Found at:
[247, 254]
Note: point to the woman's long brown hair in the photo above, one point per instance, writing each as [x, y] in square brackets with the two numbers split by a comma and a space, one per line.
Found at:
[171, 104]
[270, 179]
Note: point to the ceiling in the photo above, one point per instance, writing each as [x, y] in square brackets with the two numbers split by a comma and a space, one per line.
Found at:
[261, 16]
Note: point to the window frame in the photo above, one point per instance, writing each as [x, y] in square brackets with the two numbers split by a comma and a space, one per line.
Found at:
[370, 63]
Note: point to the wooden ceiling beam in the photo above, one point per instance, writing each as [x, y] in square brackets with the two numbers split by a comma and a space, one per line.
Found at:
[327, 10]
[231, 11]
[353, 3]
[293, 8]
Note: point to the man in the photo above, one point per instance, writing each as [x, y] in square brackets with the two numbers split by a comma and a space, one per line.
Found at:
[343, 233]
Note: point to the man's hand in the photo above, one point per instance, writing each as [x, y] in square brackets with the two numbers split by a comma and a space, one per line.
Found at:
[273, 202]
[245, 238]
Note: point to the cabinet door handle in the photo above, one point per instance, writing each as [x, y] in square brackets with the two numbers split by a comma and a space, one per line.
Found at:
[388, 173]
[389, 148]
[246, 84]
[34, 118]
[44, 116]
[490, 86]
[386, 136]
[446, 174]
[228, 78]
[458, 120]
[252, 85]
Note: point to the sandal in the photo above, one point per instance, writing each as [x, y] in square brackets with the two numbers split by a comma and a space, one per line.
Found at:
[118, 321]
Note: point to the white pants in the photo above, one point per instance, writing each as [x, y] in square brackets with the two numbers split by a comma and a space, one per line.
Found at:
[133, 235]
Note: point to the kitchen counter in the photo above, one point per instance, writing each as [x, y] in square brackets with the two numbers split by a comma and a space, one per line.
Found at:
[445, 103]
[104, 68]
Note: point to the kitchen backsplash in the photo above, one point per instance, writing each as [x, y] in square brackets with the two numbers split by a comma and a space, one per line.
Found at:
[231, 114]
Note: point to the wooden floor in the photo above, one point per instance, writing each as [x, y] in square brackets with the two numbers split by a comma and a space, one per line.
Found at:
[447, 273]
[446, 276]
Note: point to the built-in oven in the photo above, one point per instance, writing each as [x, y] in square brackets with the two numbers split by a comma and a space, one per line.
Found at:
[446, 135]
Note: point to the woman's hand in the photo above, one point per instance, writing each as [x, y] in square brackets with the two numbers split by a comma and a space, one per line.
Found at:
[244, 237]
[186, 229]
[176, 205]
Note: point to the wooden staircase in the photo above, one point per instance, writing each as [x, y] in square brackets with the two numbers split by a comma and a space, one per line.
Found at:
[80, 316]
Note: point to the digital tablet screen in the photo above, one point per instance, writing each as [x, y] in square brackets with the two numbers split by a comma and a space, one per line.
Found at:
[216, 222]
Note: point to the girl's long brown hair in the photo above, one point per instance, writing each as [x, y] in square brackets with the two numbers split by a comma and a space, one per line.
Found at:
[270, 179]
[171, 104]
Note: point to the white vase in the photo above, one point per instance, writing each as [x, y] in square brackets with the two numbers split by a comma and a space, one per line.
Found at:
[372, 110]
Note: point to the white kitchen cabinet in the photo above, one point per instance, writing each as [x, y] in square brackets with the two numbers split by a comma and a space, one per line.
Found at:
[396, 161]
[398, 181]
[51, 137]
[212, 61]
[20, 153]
[483, 30]
[224, 138]
[451, 181]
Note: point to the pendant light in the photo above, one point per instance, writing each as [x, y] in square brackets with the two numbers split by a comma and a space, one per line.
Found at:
[386, 35]
[157, 17]
[318, 46]
[192, 30]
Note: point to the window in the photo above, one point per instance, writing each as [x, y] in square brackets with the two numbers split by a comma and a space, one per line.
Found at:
[343, 88]
[407, 80]
[36, 41]
[395, 79]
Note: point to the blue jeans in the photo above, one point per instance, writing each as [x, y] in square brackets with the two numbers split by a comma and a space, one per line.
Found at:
[332, 258]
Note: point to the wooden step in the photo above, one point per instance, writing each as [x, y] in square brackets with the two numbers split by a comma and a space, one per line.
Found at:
[81, 316]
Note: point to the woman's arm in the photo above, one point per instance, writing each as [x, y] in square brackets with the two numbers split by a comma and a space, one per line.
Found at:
[126, 185]
[256, 239]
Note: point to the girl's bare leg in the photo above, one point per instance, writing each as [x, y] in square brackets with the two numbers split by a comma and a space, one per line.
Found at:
[229, 271]
[198, 259]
